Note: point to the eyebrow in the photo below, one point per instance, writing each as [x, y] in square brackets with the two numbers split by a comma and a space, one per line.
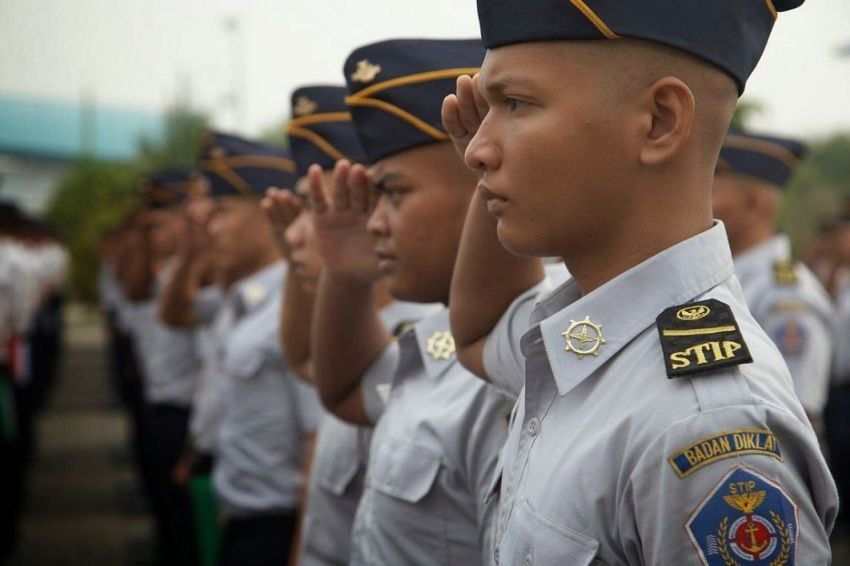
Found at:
[503, 82]
[381, 181]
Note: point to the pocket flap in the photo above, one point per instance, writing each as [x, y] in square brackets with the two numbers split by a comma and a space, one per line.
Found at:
[410, 472]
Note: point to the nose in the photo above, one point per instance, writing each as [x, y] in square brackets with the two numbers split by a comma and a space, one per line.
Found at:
[482, 153]
[378, 223]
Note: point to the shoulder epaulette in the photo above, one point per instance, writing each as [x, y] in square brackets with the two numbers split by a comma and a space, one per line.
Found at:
[784, 273]
[699, 337]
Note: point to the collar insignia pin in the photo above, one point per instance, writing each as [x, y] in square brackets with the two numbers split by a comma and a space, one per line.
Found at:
[441, 345]
[583, 338]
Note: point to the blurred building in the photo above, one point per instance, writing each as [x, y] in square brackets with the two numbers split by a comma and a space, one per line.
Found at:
[40, 138]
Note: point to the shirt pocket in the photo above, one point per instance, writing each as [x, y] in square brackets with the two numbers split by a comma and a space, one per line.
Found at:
[243, 365]
[409, 473]
[534, 540]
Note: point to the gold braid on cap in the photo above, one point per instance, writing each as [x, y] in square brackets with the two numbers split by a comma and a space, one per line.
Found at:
[364, 98]
[295, 128]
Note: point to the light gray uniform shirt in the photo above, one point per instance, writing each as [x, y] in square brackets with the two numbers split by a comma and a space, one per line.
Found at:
[609, 461]
[841, 373]
[168, 356]
[339, 467]
[788, 301]
[210, 336]
[433, 453]
[267, 413]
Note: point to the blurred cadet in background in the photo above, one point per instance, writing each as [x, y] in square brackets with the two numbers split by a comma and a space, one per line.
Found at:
[785, 297]
[268, 416]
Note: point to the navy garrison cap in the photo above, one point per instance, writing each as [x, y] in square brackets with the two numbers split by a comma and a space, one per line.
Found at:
[236, 166]
[396, 90]
[166, 188]
[730, 34]
[320, 130]
[767, 158]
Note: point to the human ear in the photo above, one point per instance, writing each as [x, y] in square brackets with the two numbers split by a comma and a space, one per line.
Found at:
[669, 106]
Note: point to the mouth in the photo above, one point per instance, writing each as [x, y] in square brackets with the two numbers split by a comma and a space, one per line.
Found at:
[386, 260]
[496, 204]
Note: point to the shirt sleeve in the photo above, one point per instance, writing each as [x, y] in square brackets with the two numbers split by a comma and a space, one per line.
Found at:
[376, 382]
[206, 304]
[726, 486]
[805, 341]
[503, 359]
[308, 407]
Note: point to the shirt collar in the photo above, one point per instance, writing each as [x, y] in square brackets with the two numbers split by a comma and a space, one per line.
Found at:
[759, 259]
[436, 343]
[628, 304]
[254, 290]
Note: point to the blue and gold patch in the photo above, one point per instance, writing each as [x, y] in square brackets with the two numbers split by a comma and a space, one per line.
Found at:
[746, 519]
[790, 338]
[726, 444]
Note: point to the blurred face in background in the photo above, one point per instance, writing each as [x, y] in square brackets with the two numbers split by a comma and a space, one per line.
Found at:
[240, 237]
[165, 226]
[304, 259]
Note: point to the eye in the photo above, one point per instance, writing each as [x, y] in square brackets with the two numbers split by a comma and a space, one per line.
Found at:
[515, 104]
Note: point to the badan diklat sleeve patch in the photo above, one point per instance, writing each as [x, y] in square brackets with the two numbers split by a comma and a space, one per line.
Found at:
[699, 337]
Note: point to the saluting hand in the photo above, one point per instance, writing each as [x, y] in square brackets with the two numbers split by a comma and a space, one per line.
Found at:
[281, 208]
[340, 214]
[463, 112]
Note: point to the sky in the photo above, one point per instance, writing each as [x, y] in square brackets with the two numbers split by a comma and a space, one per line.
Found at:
[239, 61]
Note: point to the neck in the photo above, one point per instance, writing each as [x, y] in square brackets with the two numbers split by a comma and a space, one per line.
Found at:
[755, 236]
[382, 295]
[593, 267]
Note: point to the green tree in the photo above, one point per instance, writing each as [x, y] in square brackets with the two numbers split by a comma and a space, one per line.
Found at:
[95, 196]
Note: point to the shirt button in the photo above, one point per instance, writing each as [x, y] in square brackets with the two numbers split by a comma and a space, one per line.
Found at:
[496, 555]
[528, 561]
[533, 426]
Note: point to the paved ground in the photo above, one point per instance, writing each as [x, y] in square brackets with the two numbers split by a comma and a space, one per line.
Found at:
[78, 511]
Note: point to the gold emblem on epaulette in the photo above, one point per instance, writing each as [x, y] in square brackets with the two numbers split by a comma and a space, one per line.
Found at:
[784, 273]
[441, 345]
[255, 294]
[365, 72]
[583, 338]
[304, 106]
[695, 312]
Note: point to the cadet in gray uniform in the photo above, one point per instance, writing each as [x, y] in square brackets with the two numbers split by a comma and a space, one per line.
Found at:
[168, 361]
[657, 422]
[268, 415]
[320, 133]
[784, 296]
[438, 429]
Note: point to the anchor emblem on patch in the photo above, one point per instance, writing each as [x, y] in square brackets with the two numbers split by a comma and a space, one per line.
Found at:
[747, 519]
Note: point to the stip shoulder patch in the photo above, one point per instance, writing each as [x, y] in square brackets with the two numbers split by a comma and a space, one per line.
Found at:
[699, 337]
[746, 519]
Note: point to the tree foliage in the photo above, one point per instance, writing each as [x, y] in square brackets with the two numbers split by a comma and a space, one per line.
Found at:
[95, 196]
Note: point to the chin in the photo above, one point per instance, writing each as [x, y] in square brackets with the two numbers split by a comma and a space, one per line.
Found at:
[406, 290]
[520, 244]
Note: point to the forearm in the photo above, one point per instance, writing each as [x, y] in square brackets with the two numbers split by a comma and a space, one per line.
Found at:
[175, 303]
[296, 318]
[487, 278]
[347, 337]
[136, 273]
